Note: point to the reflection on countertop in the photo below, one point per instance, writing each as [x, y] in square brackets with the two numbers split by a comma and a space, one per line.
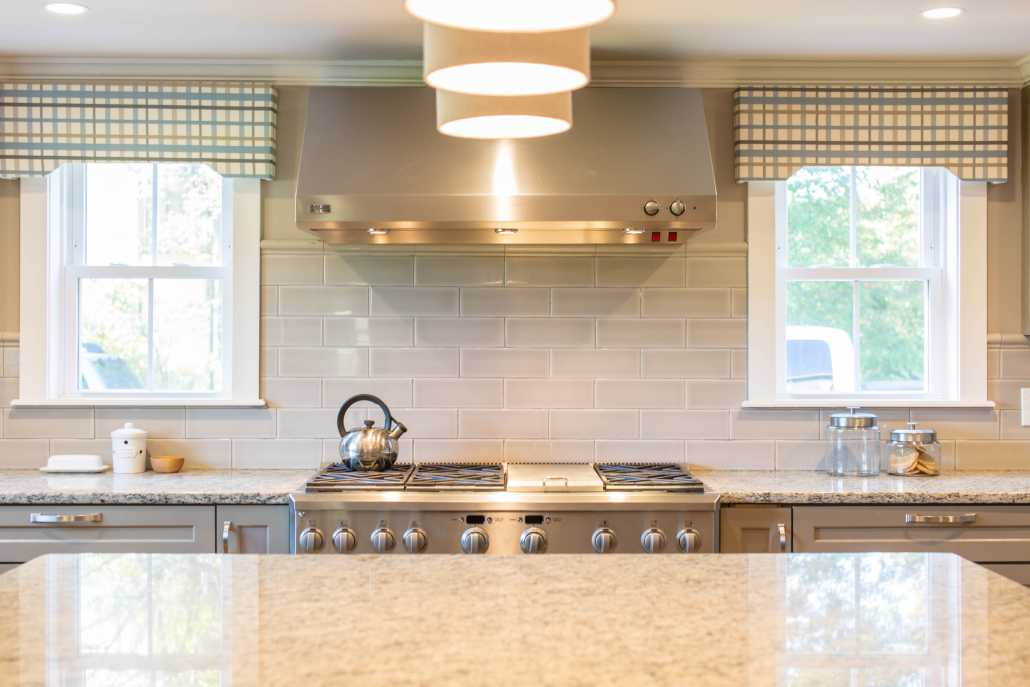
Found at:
[796, 620]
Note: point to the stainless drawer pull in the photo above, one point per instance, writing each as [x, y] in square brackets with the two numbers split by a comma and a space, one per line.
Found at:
[783, 538]
[41, 517]
[938, 519]
[225, 535]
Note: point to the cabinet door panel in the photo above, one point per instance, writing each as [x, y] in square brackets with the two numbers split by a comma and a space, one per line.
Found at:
[755, 530]
[253, 529]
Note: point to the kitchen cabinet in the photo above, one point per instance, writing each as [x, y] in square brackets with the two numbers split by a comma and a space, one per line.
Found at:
[253, 529]
[755, 529]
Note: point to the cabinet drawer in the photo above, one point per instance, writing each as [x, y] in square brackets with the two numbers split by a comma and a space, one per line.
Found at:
[991, 534]
[755, 529]
[104, 529]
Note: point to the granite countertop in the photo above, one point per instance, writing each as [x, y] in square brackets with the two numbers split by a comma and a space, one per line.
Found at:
[816, 487]
[700, 620]
[188, 487]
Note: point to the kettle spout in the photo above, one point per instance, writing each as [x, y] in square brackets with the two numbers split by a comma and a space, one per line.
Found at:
[397, 431]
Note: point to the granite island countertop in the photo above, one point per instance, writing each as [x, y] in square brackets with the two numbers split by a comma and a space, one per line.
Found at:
[187, 487]
[699, 620]
[816, 487]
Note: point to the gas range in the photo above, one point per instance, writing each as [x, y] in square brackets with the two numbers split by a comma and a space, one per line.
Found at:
[497, 508]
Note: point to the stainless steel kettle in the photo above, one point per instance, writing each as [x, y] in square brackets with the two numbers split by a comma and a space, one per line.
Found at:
[369, 448]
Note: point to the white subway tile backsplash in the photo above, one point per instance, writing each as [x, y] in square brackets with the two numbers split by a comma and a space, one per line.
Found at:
[459, 450]
[314, 423]
[369, 331]
[550, 332]
[291, 269]
[459, 393]
[717, 333]
[212, 454]
[504, 362]
[599, 362]
[11, 359]
[641, 333]
[594, 424]
[451, 270]
[609, 302]
[639, 393]
[160, 423]
[1004, 392]
[639, 451]
[993, 363]
[1011, 425]
[63, 423]
[641, 271]
[801, 425]
[960, 424]
[464, 332]
[548, 451]
[502, 424]
[413, 362]
[685, 302]
[704, 393]
[506, 302]
[738, 303]
[323, 362]
[685, 364]
[548, 393]
[423, 301]
[276, 454]
[291, 331]
[731, 455]
[269, 300]
[801, 455]
[684, 424]
[992, 455]
[8, 391]
[372, 270]
[268, 362]
[395, 393]
[323, 300]
[226, 423]
[738, 364]
[716, 271]
[282, 392]
[24, 454]
[526, 270]
[428, 423]
[1015, 363]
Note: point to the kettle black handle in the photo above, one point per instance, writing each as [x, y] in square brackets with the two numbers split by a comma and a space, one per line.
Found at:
[356, 399]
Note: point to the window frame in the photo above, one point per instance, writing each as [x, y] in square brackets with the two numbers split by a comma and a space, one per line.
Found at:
[957, 329]
[49, 300]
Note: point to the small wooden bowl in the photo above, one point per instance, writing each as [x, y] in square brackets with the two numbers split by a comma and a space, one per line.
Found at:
[167, 463]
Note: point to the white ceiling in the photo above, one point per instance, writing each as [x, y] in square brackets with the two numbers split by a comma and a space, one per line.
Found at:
[640, 30]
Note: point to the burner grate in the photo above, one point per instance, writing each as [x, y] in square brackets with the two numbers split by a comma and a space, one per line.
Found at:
[652, 477]
[336, 477]
[457, 477]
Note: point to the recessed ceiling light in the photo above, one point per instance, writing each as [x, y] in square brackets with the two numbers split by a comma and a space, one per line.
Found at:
[512, 15]
[66, 8]
[942, 12]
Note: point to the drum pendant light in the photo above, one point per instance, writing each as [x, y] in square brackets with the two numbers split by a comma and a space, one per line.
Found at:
[512, 15]
[484, 63]
[480, 116]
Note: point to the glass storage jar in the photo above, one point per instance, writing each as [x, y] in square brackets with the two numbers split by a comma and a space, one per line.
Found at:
[913, 452]
[854, 445]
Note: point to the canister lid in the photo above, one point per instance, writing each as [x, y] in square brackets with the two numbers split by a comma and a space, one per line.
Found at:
[911, 435]
[853, 419]
[129, 431]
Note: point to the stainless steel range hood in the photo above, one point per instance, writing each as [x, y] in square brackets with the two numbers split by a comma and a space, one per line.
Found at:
[372, 159]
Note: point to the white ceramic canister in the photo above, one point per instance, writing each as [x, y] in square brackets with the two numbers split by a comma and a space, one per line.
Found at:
[129, 449]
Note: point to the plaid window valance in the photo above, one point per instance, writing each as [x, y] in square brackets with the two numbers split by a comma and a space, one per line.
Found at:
[779, 130]
[229, 126]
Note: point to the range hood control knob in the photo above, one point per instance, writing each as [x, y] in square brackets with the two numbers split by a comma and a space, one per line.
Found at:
[677, 207]
[604, 540]
[311, 540]
[475, 540]
[653, 540]
[383, 540]
[689, 541]
[533, 540]
[651, 207]
[344, 540]
[415, 540]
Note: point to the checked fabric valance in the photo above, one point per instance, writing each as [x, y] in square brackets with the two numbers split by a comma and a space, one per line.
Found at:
[229, 126]
[778, 130]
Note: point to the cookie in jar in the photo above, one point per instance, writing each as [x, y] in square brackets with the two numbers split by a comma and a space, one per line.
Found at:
[913, 452]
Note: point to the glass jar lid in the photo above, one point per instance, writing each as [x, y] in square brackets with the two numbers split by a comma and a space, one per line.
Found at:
[853, 420]
[913, 435]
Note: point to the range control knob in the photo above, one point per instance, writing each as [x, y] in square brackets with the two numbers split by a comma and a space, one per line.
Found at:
[311, 540]
[689, 540]
[533, 540]
[383, 540]
[415, 540]
[604, 540]
[475, 540]
[677, 207]
[651, 207]
[653, 540]
[344, 540]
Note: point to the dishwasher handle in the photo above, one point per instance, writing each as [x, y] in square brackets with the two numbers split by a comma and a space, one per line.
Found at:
[939, 519]
[44, 518]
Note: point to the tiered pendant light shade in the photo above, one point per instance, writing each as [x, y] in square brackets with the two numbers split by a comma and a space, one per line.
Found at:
[479, 116]
[512, 15]
[483, 63]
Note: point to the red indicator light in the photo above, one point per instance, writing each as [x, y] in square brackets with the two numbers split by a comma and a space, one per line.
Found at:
[672, 236]
[656, 236]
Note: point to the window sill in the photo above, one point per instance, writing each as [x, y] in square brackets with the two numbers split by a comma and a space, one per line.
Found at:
[828, 404]
[139, 403]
